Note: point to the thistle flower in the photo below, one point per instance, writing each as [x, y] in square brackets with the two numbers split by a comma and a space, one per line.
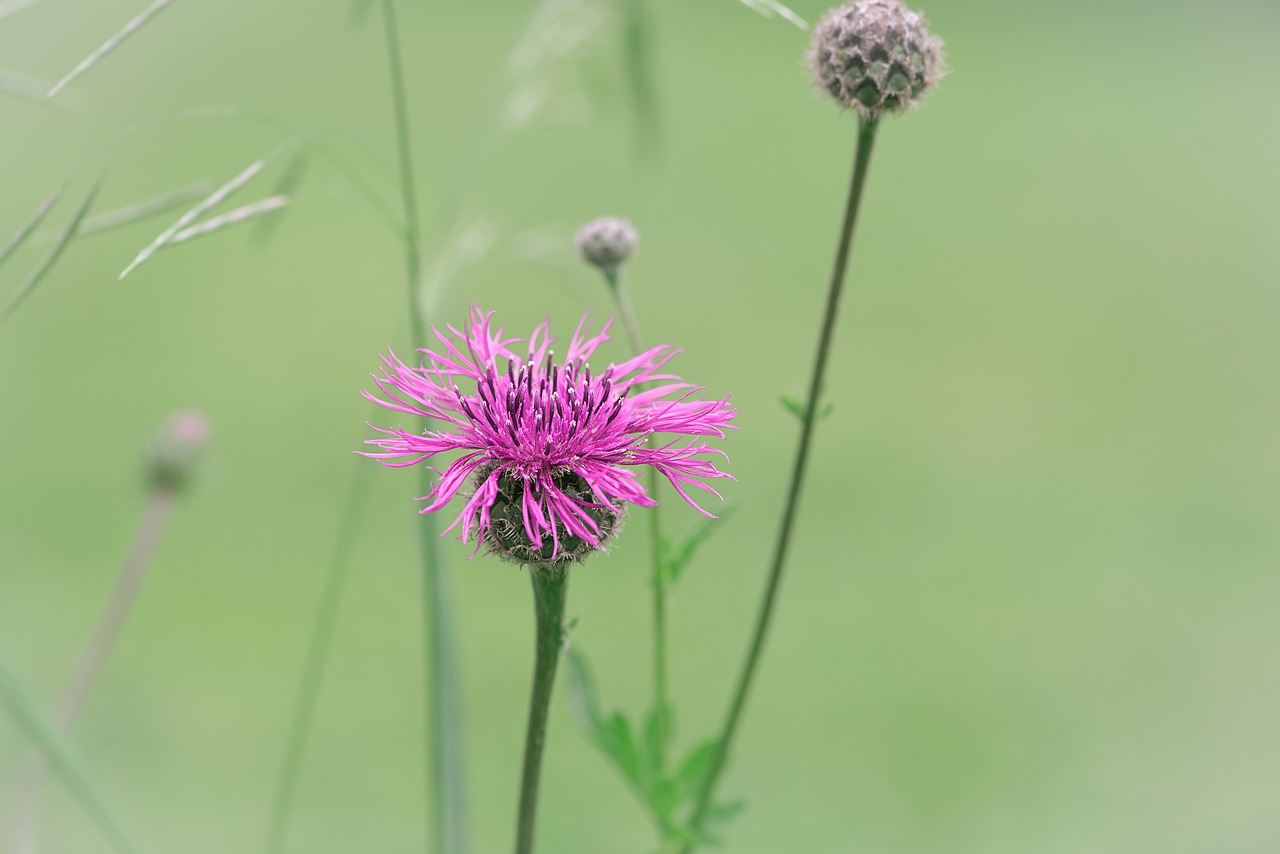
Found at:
[606, 242]
[875, 56]
[549, 449]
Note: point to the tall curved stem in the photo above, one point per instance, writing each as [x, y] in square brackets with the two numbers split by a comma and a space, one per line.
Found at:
[862, 160]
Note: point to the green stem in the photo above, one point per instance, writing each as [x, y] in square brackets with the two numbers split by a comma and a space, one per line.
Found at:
[658, 581]
[862, 159]
[550, 587]
[445, 740]
[318, 656]
[155, 518]
[55, 751]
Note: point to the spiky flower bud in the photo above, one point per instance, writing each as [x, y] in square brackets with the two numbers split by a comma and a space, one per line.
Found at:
[506, 537]
[172, 453]
[875, 56]
[606, 242]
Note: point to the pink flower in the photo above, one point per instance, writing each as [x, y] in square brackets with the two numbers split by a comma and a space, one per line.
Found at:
[550, 451]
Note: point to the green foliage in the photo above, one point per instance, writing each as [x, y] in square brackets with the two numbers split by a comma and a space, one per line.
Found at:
[42, 269]
[797, 407]
[675, 556]
[668, 794]
[55, 751]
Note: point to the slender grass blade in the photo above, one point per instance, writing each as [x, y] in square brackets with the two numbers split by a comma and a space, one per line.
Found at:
[129, 214]
[230, 218]
[110, 44]
[770, 8]
[27, 88]
[24, 232]
[211, 201]
[60, 759]
[12, 7]
[42, 269]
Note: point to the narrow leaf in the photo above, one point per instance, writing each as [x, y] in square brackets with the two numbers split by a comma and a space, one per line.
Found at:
[10, 7]
[769, 8]
[797, 407]
[691, 776]
[42, 269]
[613, 734]
[20, 236]
[55, 752]
[230, 218]
[677, 556]
[288, 185]
[110, 44]
[28, 88]
[129, 214]
[212, 200]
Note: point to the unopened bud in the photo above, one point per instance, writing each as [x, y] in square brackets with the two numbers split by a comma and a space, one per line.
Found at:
[875, 56]
[173, 450]
[606, 243]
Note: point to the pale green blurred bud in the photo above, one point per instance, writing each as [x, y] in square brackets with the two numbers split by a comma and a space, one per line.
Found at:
[174, 449]
[606, 243]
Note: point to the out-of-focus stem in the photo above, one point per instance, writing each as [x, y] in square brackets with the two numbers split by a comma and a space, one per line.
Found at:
[862, 159]
[155, 517]
[318, 655]
[550, 588]
[446, 760]
[658, 580]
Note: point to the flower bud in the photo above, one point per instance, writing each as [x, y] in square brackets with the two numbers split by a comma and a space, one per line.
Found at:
[173, 449]
[875, 56]
[507, 538]
[606, 242]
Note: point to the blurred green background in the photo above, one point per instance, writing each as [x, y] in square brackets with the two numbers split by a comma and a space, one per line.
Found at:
[1033, 602]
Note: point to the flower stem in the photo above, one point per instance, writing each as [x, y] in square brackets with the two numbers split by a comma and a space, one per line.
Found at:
[658, 581]
[862, 159]
[550, 587]
[155, 517]
[318, 656]
[446, 761]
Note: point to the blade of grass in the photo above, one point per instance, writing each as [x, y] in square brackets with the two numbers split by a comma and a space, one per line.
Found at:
[769, 8]
[317, 656]
[446, 738]
[42, 269]
[129, 214]
[60, 759]
[212, 200]
[637, 40]
[20, 236]
[110, 44]
[27, 88]
[253, 210]
[12, 7]
[288, 185]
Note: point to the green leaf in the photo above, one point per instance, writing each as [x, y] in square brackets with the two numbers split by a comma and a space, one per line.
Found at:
[55, 751]
[110, 44]
[42, 269]
[797, 407]
[675, 557]
[611, 734]
[691, 776]
[769, 8]
[20, 236]
[211, 201]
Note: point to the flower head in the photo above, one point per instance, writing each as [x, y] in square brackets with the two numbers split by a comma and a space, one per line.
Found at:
[606, 242]
[550, 450]
[174, 447]
[875, 56]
